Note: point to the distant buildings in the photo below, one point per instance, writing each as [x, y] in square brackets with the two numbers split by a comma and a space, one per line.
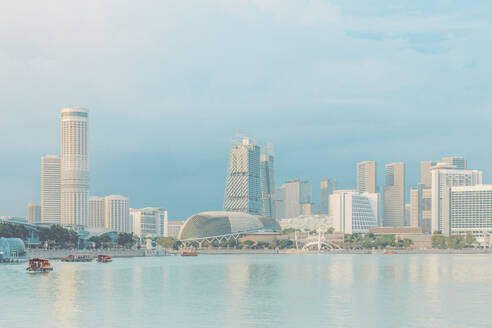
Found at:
[50, 189]
[267, 184]
[290, 197]
[149, 222]
[74, 167]
[426, 173]
[308, 223]
[326, 188]
[394, 195]
[458, 161]
[468, 209]
[366, 177]
[34, 212]
[353, 211]
[96, 212]
[117, 213]
[443, 178]
[243, 188]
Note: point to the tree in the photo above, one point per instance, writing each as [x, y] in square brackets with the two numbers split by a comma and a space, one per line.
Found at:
[11, 230]
[439, 241]
[249, 243]
[125, 239]
[470, 239]
[166, 242]
[286, 243]
[330, 230]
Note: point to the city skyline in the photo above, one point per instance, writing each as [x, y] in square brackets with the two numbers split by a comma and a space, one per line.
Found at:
[447, 160]
[322, 102]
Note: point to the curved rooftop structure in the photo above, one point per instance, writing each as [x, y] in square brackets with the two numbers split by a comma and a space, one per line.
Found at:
[212, 224]
[11, 248]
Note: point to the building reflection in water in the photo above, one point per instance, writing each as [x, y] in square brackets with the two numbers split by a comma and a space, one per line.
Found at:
[66, 292]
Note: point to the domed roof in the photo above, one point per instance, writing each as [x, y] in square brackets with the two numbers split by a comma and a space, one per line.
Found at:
[209, 224]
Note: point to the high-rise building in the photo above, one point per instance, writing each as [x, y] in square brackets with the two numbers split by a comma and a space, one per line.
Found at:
[458, 161]
[33, 212]
[442, 180]
[425, 172]
[280, 202]
[468, 209]
[96, 212]
[408, 213]
[366, 177]
[74, 167]
[353, 211]
[117, 213]
[149, 221]
[50, 189]
[421, 207]
[243, 188]
[394, 195]
[267, 183]
[326, 188]
[291, 195]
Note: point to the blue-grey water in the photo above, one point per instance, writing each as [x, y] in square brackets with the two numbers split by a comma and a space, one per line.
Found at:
[254, 291]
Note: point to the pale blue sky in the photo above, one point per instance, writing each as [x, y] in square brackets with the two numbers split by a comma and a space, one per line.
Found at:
[169, 83]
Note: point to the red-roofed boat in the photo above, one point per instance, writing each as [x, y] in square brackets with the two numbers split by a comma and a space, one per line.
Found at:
[37, 265]
[77, 258]
[104, 258]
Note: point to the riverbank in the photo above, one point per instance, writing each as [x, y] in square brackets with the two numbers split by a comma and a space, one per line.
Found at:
[115, 253]
[233, 251]
[59, 253]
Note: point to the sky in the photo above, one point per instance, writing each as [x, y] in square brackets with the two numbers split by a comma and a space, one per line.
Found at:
[169, 83]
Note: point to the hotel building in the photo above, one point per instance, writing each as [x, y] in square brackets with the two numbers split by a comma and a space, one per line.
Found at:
[74, 167]
[50, 189]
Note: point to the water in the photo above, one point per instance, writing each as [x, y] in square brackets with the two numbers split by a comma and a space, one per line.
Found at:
[253, 291]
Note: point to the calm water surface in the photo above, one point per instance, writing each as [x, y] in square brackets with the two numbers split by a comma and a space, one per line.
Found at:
[254, 291]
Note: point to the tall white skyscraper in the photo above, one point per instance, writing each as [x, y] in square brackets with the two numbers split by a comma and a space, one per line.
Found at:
[442, 180]
[50, 189]
[243, 187]
[394, 195]
[96, 212]
[366, 177]
[33, 212]
[74, 167]
[267, 185]
[326, 188]
[117, 213]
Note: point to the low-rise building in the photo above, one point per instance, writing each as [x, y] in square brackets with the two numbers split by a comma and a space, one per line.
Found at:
[173, 228]
[420, 240]
[149, 221]
[308, 223]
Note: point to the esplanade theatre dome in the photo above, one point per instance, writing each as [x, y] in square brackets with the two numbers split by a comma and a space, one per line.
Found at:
[210, 224]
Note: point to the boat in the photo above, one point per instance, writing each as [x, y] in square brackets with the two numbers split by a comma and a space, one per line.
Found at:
[104, 258]
[390, 252]
[37, 265]
[189, 254]
[77, 258]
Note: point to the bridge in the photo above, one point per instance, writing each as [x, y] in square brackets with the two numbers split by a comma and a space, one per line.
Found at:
[319, 241]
